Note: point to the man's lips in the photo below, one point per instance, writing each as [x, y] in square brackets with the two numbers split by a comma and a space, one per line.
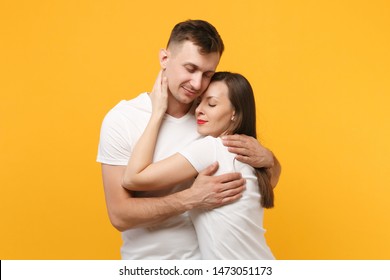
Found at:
[201, 121]
[190, 92]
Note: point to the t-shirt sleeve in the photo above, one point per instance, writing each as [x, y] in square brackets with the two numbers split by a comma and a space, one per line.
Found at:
[201, 153]
[114, 148]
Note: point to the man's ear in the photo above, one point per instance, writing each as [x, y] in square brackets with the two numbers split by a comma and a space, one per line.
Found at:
[163, 57]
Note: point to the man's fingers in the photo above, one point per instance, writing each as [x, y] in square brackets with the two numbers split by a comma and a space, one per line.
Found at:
[210, 170]
[232, 195]
[231, 185]
[231, 199]
[244, 159]
[235, 140]
[228, 177]
[239, 151]
[232, 143]
[234, 191]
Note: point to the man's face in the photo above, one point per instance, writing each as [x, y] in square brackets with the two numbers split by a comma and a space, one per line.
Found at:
[188, 71]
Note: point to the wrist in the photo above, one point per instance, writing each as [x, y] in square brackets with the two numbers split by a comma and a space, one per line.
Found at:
[156, 118]
[269, 162]
[183, 198]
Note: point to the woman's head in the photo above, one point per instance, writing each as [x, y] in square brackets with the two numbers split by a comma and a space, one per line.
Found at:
[227, 107]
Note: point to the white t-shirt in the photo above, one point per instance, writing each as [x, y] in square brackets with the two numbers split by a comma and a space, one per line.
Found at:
[174, 238]
[234, 231]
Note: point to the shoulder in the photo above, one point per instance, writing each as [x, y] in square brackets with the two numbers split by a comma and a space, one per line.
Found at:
[204, 147]
[123, 123]
[129, 109]
[124, 107]
[201, 153]
[207, 141]
[210, 139]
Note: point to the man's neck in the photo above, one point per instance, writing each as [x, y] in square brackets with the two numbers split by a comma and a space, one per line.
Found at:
[177, 109]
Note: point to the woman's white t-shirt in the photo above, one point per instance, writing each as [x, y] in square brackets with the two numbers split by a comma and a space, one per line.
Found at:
[234, 231]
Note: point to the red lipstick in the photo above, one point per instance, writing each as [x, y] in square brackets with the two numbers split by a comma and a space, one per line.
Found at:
[200, 121]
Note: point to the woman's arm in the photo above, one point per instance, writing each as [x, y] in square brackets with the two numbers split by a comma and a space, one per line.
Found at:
[159, 175]
[141, 173]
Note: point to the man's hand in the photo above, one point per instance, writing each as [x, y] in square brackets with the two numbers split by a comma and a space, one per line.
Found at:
[208, 192]
[249, 150]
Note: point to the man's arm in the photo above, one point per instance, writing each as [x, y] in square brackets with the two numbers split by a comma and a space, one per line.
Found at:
[207, 192]
[250, 151]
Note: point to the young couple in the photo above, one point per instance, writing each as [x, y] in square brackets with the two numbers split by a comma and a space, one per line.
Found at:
[174, 136]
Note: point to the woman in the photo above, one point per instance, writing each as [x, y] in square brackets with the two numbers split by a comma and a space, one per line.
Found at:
[227, 107]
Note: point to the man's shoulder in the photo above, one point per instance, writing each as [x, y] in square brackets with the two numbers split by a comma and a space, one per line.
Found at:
[121, 126]
[128, 108]
[141, 102]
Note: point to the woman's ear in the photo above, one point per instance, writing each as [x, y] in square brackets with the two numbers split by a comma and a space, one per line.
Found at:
[233, 116]
[163, 57]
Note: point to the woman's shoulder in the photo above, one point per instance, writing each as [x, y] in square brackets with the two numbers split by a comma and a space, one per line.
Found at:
[211, 141]
[208, 139]
[203, 147]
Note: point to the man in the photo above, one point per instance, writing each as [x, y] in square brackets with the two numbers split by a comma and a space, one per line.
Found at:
[155, 225]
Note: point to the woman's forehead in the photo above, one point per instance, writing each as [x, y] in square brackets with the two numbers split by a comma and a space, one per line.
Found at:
[216, 89]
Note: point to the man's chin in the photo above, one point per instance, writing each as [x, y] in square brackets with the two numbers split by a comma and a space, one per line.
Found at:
[187, 99]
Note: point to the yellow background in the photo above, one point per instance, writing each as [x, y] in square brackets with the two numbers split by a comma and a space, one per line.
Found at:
[320, 70]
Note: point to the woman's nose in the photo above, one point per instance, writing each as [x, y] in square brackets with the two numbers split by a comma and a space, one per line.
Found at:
[198, 110]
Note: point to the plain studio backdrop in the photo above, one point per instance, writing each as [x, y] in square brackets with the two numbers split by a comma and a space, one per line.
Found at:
[321, 74]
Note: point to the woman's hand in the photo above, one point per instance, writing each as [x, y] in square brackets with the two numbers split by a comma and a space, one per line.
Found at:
[159, 96]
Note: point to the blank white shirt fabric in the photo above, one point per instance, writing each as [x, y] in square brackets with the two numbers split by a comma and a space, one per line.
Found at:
[234, 231]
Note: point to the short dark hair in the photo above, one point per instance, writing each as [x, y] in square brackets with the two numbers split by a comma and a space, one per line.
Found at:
[241, 97]
[201, 33]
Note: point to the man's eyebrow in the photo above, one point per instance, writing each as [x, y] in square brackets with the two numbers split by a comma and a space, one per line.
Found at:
[192, 65]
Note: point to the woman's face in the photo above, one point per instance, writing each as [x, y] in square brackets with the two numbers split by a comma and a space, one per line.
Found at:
[214, 113]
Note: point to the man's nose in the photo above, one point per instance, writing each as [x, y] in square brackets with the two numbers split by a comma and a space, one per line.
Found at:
[196, 81]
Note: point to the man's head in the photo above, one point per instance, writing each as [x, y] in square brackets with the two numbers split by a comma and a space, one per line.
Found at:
[200, 33]
[190, 60]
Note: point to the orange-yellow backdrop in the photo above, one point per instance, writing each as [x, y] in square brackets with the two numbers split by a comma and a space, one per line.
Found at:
[320, 70]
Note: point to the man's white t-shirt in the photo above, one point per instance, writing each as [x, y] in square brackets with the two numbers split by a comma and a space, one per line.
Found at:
[174, 238]
[234, 231]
